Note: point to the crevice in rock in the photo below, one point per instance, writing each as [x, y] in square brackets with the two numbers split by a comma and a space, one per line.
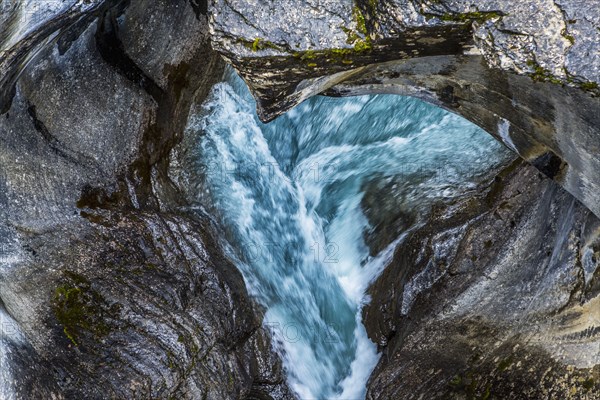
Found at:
[549, 164]
[242, 16]
[111, 49]
[200, 7]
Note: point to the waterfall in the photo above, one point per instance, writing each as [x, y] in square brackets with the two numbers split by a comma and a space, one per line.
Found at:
[289, 195]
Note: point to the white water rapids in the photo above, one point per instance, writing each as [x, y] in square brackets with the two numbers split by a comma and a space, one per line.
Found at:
[289, 195]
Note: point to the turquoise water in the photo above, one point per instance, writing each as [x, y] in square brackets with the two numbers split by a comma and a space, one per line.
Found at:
[289, 194]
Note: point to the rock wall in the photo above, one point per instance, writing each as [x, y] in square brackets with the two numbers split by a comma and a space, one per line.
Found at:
[119, 290]
[493, 297]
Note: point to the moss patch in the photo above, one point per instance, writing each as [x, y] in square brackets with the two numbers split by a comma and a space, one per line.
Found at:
[358, 37]
[358, 16]
[588, 384]
[467, 385]
[541, 74]
[79, 309]
[591, 86]
[259, 44]
[570, 38]
[588, 86]
[503, 365]
[477, 16]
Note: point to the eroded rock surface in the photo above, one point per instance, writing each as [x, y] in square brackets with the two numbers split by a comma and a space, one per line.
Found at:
[559, 44]
[493, 297]
[110, 288]
[138, 305]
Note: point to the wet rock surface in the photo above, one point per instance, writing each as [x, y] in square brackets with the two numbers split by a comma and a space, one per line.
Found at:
[138, 305]
[552, 127]
[110, 287]
[489, 298]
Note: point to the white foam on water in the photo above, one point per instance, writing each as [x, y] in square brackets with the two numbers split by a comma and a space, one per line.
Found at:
[293, 190]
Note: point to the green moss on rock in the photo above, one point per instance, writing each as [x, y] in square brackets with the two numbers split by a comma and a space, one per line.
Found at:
[591, 86]
[468, 386]
[503, 365]
[358, 16]
[259, 44]
[588, 383]
[570, 38]
[541, 74]
[79, 308]
[359, 38]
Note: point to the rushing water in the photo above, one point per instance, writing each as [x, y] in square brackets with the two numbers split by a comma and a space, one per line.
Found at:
[289, 195]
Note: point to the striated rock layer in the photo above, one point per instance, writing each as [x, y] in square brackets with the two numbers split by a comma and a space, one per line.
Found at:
[111, 288]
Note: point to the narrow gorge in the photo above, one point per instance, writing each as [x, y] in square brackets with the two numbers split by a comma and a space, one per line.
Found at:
[233, 199]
